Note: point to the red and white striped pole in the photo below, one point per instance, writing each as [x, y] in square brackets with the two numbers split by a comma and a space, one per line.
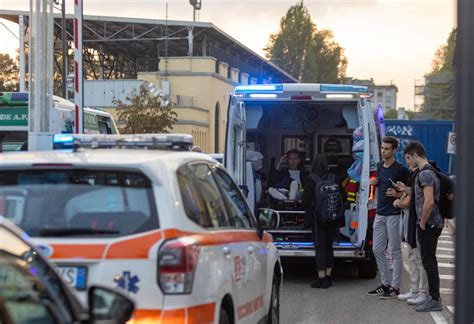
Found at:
[78, 75]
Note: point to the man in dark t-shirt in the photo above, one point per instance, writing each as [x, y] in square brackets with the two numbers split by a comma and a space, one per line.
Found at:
[387, 221]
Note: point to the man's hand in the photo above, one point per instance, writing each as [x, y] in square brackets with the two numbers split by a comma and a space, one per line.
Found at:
[392, 193]
[284, 158]
[401, 186]
[374, 181]
[422, 225]
[396, 202]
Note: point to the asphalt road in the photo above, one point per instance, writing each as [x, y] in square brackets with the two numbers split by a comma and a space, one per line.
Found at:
[346, 301]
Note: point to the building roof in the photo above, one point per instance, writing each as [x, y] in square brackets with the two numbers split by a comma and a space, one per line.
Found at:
[140, 41]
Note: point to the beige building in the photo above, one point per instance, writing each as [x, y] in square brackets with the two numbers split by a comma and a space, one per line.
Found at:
[195, 64]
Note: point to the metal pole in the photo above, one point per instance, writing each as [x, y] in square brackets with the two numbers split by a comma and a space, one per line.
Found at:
[21, 24]
[78, 71]
[464, 293]
[40, 85]
[64, 50]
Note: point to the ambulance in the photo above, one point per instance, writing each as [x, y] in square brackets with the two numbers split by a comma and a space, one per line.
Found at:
[268, 120]
[14, 120]
[142, 214]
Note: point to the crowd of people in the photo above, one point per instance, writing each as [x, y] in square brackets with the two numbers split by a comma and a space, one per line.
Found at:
[408, 210]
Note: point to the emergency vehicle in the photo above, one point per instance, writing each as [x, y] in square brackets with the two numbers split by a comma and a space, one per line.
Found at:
[135, 212]
[14, 120]
[272, 119]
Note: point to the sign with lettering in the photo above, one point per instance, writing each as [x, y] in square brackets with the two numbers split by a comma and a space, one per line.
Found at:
[14, 116]
[452, 143]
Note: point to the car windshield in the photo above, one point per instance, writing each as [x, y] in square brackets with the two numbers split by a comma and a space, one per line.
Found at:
[29, 288]
[78, 202]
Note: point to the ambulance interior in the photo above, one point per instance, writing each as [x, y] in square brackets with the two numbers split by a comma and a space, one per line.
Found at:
[312, 128]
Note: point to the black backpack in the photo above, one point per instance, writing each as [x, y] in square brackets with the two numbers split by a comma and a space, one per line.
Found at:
[328, 199]
[445, 205]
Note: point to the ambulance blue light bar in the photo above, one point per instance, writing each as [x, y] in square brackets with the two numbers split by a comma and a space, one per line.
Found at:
[175, 142]
[341, 88]
[259, 88]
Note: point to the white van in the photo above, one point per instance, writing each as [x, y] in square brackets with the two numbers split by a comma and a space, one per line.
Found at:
[313, 118]
[14, 120]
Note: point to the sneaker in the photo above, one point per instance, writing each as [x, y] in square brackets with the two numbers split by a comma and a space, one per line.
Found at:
[421, 298]
[276, 194]
[378, 291]
[407, 296]
[322, 283]
[430, 306]
[391, 293]
[293, 190]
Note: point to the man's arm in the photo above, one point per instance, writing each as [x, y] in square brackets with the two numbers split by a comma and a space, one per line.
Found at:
[428, 205]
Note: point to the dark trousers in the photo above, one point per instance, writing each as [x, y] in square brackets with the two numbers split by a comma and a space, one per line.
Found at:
[323, 237]
[428, 240]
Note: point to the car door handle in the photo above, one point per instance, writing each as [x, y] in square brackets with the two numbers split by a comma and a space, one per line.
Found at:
[251, 249]
[226, 250]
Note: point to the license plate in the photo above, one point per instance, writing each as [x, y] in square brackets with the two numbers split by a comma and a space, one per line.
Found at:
[74, 276]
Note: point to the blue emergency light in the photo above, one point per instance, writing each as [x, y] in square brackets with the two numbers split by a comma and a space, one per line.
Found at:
[340, 88]
[259, 88]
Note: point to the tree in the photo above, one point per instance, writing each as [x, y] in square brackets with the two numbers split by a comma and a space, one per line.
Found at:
[439, 83]
[8, 73]
[308, 54]
[391, 114]
[144, 113]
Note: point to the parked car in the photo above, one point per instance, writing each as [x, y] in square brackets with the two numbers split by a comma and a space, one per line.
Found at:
[32, 291]
[167, 226]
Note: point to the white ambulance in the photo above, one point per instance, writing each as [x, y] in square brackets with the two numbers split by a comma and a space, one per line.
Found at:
[170, 228]
[269, 120]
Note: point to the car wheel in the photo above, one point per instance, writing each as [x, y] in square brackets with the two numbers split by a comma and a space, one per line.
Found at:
[274, 312]
[224, 317]
[368, 269]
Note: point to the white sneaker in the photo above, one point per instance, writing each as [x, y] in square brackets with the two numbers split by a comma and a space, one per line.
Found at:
[421, 298]
[408, 295]
[276, 194]
[293, 190]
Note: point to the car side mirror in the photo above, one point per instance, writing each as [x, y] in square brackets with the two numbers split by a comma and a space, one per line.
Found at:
[268, 218]
[107, 305]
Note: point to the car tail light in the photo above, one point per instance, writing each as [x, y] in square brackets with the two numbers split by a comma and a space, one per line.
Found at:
[372, 213]
[373, 175]
[177, 262]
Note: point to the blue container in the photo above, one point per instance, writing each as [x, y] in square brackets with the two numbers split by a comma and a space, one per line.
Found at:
[432, 133]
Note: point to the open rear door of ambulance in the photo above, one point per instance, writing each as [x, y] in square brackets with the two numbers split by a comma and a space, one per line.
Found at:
[234, 155]
[364, 189]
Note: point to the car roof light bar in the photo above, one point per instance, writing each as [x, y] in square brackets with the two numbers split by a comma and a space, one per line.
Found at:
[175, 142]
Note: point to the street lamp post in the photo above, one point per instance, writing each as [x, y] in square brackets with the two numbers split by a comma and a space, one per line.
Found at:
[197, 4]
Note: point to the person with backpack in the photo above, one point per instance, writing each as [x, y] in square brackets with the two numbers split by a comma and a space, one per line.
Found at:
[386, 227]
[431, 198]
[323, 201]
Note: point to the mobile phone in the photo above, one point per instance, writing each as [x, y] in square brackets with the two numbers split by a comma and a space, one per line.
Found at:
[393, 183]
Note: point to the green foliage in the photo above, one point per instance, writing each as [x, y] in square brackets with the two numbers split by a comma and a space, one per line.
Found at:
[439, 83]
[308, 54]
[391, 114]
[8, 73]
[143, 113]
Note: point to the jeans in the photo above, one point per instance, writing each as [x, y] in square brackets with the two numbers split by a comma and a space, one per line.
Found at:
[323, 237]
[387, 229]
[428, 240]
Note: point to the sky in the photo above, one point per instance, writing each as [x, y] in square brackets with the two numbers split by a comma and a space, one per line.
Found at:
[391, 41]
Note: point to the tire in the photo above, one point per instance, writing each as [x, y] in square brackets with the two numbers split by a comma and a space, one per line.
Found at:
[224, 317]
[367, 269]
[274, 311]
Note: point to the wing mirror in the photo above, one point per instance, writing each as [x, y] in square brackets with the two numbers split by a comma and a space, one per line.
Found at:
[268, 218]
[108, 305]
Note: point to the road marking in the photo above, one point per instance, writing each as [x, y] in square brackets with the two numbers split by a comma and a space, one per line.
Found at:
[450, 308]
[446, 256]
[446, 291]
[445, 242]
[446, 277]
[438, 318]
[445, 265]
[445, 249]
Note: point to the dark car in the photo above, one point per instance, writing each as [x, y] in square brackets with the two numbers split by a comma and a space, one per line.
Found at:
[31, 291]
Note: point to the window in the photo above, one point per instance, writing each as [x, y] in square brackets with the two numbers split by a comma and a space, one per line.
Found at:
[238, 211]
[202, 199]
[78, 202]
